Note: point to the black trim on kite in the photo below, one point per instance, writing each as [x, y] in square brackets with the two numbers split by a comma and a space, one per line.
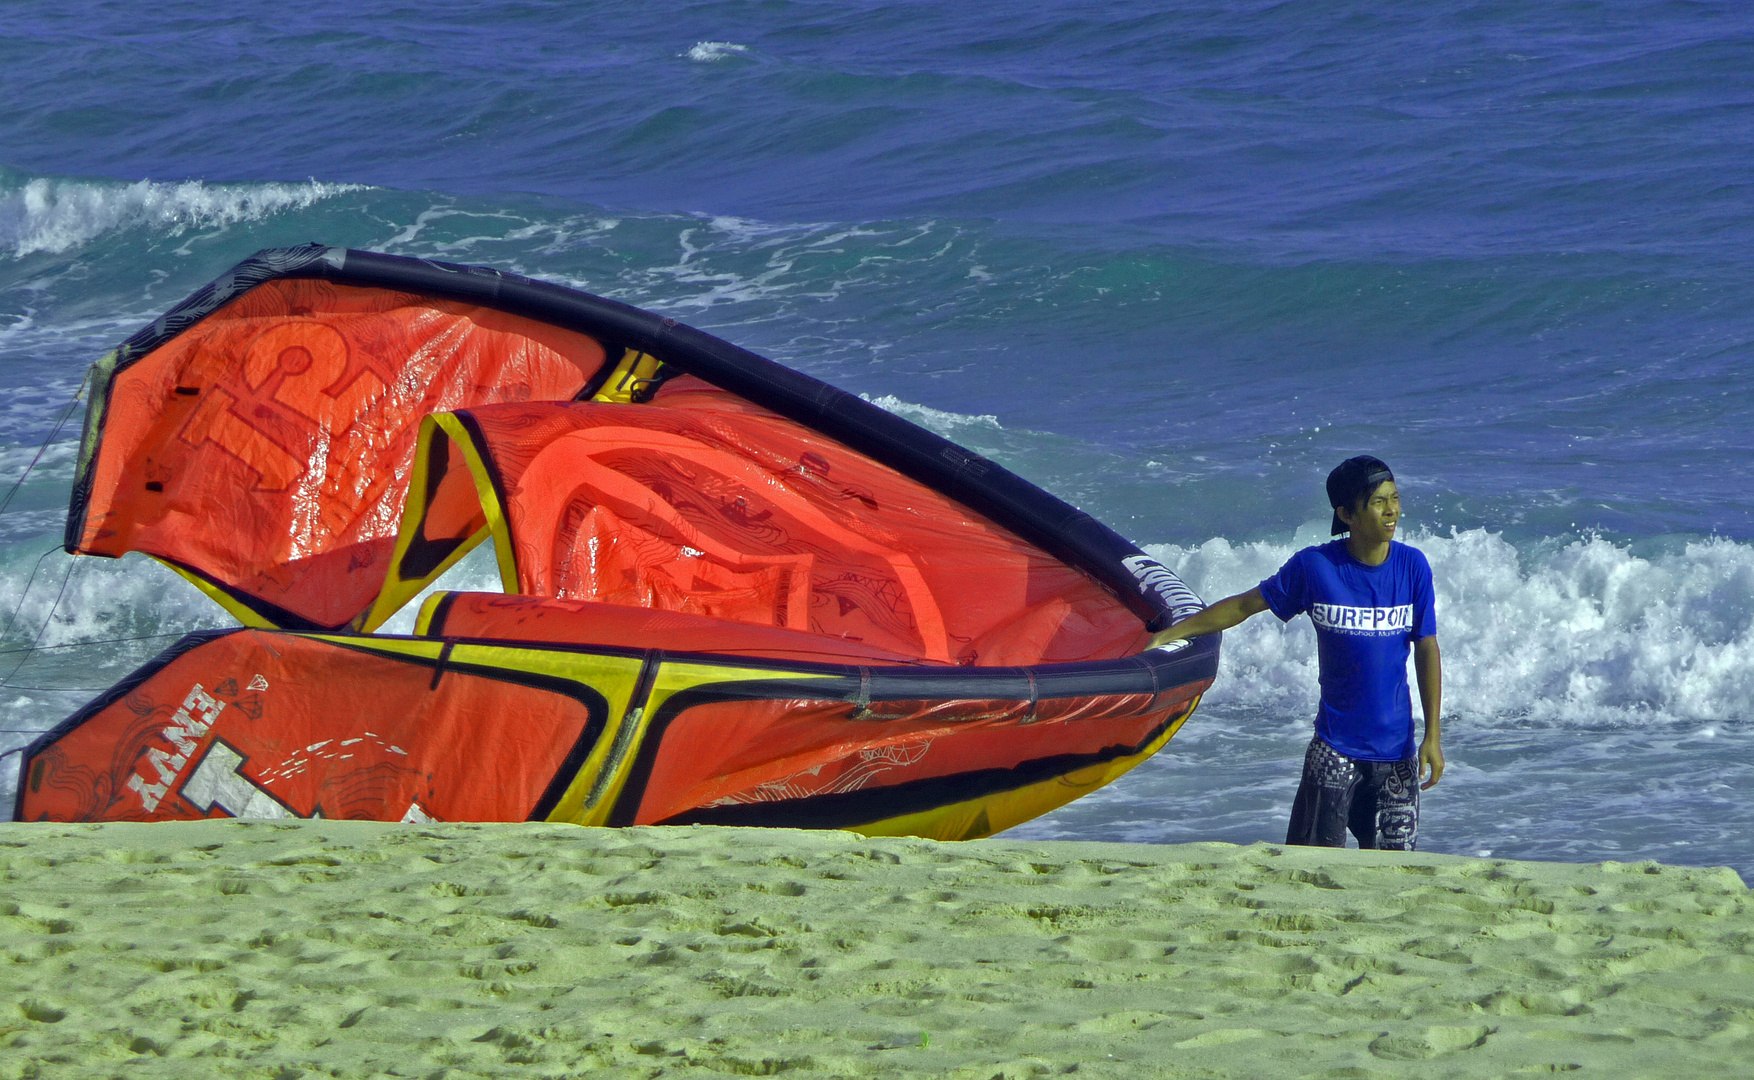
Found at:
[1026, 686]
[1060, 529]
[583, 693]
[622, 813]
[130, 683]
[277, 616]
[596, 706]
[1057, 527]
[863, 807]
[1153, 671]
[596, 709]
[438, 668]
[264, 265]
[614, 352]
[423, 555]
[441, 612]
[483, 453]
[596, 720]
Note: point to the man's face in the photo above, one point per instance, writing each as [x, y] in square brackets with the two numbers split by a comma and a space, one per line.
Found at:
[1374, 521]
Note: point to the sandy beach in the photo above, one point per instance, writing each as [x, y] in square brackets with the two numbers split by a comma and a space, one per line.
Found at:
[349, 949]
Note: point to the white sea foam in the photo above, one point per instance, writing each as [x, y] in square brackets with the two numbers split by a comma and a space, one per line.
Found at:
[722, 271]
[727, 260]
[62, 601]
[1583, 634]
[447, 231]
[708, 52]
[60, 215]
[937, 421]
[46, 463]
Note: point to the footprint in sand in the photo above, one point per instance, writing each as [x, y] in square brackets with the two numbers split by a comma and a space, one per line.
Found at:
[1430, 1043]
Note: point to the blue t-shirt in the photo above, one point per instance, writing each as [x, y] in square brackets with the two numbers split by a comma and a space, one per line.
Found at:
[1366, 618]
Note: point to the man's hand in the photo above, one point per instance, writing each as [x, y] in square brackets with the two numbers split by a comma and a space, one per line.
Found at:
[1428, 666]
[1430, 759]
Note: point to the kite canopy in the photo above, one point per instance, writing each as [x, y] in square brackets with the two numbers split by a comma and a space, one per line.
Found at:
[265, 449]
[261, 439]
[699, 503]
[732, 593]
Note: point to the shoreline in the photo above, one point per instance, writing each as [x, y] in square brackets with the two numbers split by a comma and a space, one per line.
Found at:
[229, 948]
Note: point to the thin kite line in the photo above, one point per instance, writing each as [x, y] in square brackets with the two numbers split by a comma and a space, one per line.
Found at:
[41, 450]
[57, 690]
[83, 644]
[31, 581]
[43, 629]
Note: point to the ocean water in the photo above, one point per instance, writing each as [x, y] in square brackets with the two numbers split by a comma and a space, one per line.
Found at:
[1172, 262]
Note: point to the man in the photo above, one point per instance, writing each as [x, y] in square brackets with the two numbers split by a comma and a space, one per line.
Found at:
[1370, 599]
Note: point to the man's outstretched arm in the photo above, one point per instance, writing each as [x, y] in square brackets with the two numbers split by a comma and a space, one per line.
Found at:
[1428, 669]
[1223, 615]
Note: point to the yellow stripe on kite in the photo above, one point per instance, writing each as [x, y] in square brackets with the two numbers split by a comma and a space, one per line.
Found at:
[989, 814]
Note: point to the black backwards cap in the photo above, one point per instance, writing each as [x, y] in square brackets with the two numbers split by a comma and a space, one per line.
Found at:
[1351, 480]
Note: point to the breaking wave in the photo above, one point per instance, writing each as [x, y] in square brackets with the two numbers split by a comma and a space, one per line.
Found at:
[56, 216]
[1576, 633]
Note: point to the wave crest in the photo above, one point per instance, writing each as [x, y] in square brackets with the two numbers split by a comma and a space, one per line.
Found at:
[1582, 633]
[707, 52]
[55, 216]
[937, 421]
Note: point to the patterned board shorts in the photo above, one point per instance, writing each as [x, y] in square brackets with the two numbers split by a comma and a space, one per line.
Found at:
[1377, 800]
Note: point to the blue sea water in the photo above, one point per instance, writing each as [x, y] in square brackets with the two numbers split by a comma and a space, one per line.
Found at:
[1170, 261]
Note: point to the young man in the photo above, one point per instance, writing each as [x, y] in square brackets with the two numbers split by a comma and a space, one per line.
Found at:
[1370, 599]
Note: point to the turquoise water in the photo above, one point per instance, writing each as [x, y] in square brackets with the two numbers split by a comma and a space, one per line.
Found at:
[1170, 265]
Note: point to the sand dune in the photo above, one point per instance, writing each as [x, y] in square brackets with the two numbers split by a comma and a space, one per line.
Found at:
[350, 949]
